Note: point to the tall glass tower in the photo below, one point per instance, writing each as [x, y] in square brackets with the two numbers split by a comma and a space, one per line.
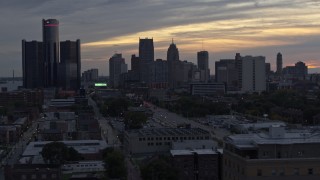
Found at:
[50, 35]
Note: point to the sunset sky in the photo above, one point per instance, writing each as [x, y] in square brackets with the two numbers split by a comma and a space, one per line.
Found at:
[222, 27]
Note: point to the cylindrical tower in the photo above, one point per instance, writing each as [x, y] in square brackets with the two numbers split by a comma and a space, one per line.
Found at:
[50, 34]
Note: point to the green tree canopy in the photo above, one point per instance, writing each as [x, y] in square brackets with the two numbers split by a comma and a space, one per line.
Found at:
[114, 162]
[58, 153]
[159, 169]
[135, 120]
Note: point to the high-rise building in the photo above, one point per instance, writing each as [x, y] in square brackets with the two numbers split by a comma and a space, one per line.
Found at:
[279, 64]
[90, 75]
[70, 66]
[135, 67]
[32, 64]
[173, 64]
[146, 55]
[50, 34]
[173, 53]
[161, 72]
[252, 73]
[42, 67]
[226, 72]
[203, 65]
[117, 66]
[146, 49]
[301, 69]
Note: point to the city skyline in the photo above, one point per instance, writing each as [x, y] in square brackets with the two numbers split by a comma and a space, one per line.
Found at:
[220, 27]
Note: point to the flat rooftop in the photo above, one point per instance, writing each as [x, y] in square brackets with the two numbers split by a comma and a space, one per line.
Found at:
[82, 146]
[154, 132]
[253, 140]
[193, 151]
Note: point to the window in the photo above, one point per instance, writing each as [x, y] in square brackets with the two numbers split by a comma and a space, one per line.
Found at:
[273, 172]
[53, 176]
[310, 171]
[43, 176]
[259, 172]
[33, 176]
[296, 171]
[164, 138]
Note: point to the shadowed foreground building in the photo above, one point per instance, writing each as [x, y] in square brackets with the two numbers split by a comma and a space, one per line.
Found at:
[277, 155]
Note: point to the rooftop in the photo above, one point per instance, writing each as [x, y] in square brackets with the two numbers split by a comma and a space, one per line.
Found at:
[169, 132]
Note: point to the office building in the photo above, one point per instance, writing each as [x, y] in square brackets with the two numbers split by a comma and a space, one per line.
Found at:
[32, 64]
[117, 66]
[146, 55]
[279, 64]
[173, 63]
[135, 67]
[226, 72]
[90, 75]
[203, 89]
[159, 140]
[301, 69]
[276, 155]
[203, 65]
[70, 66]
[251, 73]
[41, 63]
[196, 163]
[161, 72]
[50, 34]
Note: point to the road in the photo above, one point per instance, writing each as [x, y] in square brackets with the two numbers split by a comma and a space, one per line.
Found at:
[107, 132]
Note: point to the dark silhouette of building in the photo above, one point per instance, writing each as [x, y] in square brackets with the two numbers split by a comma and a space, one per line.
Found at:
[146, 55]
[117, 66]
[50, 34]
[32, 64]
[41, 63]
[203, 65]
[70, 66]
[173, 63]
[135, 66]
[279, 63]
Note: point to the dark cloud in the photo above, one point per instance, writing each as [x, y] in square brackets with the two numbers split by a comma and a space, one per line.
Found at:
[95, 20]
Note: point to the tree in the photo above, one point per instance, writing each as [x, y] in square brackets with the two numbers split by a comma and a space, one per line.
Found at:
[58, 153]
[135, 120]
[114, 162]
[159, 169]
[54, 153]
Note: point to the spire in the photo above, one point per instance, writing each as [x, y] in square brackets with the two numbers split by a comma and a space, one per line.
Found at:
[172, 41]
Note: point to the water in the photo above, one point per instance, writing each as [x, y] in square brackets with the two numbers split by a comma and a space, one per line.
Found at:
[10, 85]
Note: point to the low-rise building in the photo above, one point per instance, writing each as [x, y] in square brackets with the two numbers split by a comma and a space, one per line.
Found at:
[277, 155]
[196, 164]
[159, 140]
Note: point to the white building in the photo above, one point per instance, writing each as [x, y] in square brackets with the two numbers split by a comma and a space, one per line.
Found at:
[252, 74]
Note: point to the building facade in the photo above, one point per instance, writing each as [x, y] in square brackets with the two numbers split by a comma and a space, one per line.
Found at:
[203, 65]
[117, 66]
[279, 64]
[50, 34]
[70, 66]
[32, 64]
[276, 155]
[251, 73]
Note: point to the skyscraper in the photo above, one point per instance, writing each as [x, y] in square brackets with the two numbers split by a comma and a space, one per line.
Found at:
[146, 55]
[203, 65]
[117, 66]
[279, 63]
[32, 64]
[173, 64]
[50, 34]
[70, 66]
[173, 53]
[253, 74]
[41, 60]
[146, 49]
